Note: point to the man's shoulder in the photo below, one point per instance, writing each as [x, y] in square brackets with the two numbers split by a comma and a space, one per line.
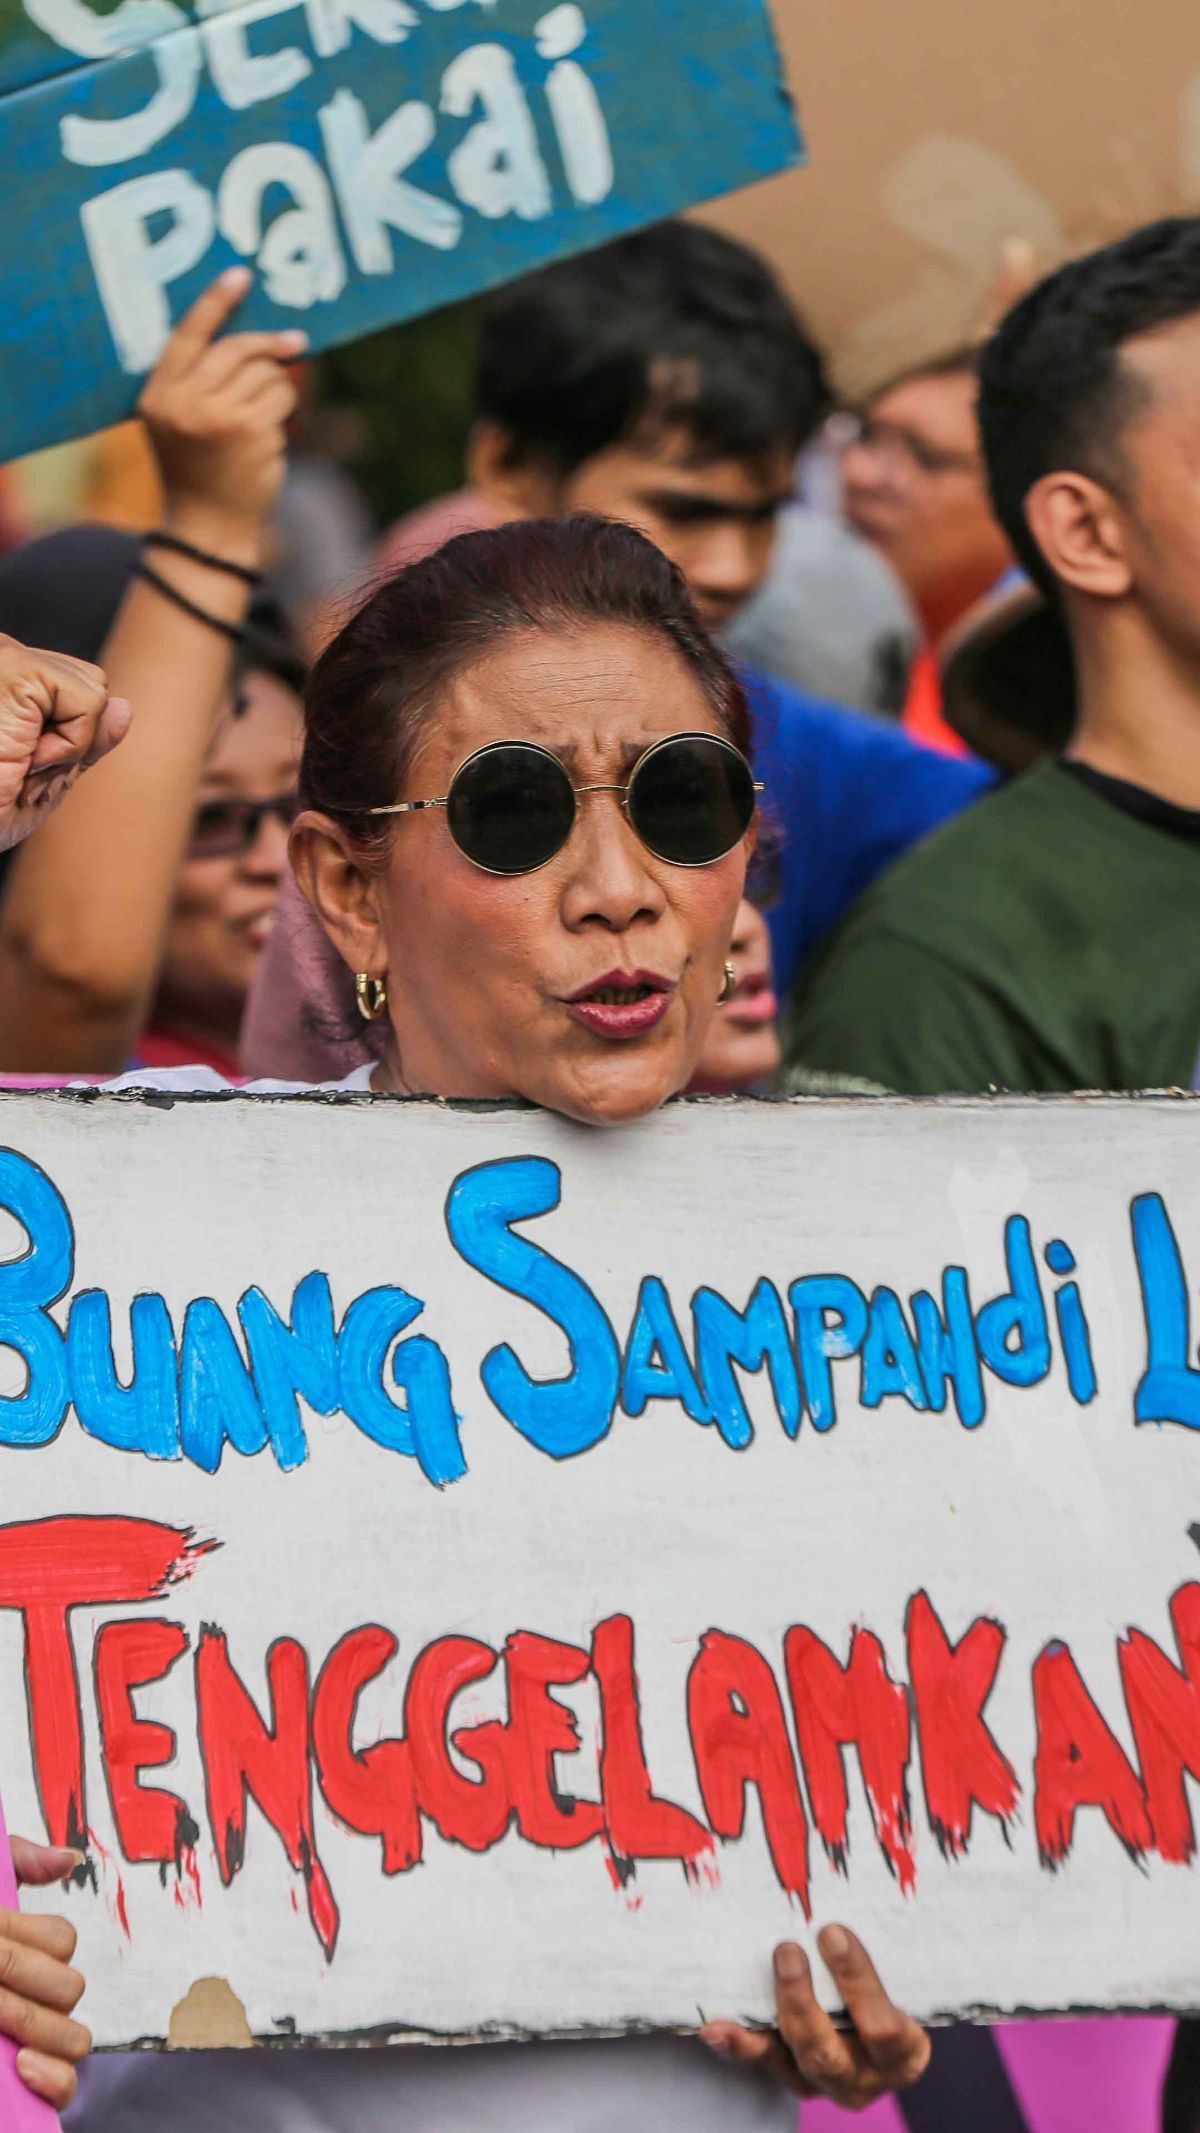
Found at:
[981, 873]
[1037, 942]
[788, 720]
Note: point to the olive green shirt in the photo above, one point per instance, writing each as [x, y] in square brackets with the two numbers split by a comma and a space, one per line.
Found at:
[1046, 940]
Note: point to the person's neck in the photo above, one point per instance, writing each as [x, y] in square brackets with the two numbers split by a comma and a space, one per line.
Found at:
[1139, 707]
[209, 1033]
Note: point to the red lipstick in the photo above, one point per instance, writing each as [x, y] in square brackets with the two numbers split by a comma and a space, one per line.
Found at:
[753, 1003]
[622, 1004]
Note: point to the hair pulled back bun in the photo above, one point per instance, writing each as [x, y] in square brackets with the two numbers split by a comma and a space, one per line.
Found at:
[376, 686]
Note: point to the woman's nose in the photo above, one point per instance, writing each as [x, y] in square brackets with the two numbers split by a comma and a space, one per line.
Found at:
[267, 854]
[745, 929]
[610, 881]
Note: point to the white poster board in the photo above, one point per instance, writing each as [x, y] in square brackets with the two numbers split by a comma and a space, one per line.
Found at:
[344, 1702]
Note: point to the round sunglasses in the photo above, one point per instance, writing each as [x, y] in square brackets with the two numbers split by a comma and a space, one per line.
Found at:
[511, 806]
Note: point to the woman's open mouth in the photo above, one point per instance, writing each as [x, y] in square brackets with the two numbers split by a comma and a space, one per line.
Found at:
[622, 1003]
[754, 1003]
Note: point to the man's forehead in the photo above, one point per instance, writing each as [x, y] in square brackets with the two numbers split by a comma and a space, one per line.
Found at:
[929, 398]
[1166, 359]
[679, 460]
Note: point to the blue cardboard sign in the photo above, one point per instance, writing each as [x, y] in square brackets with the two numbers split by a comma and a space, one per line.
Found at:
[371, 159]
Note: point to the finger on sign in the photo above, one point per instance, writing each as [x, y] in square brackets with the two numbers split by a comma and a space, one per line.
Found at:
[40, 2029]
[823, 2056]
[39, 1977]
[40, 1865]
[895, 2045]
[54, 2080]
[762, 2049]
[251, 378]
[238, 350]
[204, 321]
[273, 402]
[48, 1931]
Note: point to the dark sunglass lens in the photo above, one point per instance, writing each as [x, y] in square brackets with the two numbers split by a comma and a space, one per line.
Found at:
[692, 800]
[223, 829]
[218, 829]
[511, 809]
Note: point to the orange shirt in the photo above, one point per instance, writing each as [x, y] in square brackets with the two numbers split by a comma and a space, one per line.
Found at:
[922, 713]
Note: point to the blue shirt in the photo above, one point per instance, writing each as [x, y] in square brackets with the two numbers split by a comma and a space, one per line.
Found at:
[848, 794]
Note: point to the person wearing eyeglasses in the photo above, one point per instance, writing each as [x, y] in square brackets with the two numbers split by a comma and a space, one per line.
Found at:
[177, 622]
[223, 899]
[914, 485]
[227, 888]
[526, 820]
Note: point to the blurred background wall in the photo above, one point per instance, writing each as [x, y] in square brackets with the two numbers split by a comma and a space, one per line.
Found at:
[940, 129]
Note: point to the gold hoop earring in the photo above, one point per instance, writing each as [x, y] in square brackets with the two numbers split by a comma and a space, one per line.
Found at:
[371, 995]
[729, 987]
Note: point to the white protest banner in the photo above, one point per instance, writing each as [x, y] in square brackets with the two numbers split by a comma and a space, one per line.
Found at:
[431, 1531]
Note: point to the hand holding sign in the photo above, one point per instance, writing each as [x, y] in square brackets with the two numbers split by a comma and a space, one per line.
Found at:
[373, 161]
[56, 719]
[216, 411]
[38, 1989]
[883, 2052]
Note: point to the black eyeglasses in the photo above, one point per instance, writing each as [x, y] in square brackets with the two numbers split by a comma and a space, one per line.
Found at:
[511, 807]
[225, 829]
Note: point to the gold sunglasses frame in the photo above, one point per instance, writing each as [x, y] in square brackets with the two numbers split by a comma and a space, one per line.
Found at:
[578, 792]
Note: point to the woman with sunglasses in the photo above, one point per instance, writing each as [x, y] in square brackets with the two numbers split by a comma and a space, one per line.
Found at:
[545, 907]
[527, 816]
[222, 898]
[227, 886]
[169, 616]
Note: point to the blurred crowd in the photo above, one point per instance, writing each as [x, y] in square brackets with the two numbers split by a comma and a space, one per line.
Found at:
[966, 617]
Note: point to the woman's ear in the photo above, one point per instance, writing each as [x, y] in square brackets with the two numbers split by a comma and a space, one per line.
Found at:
[334, 879]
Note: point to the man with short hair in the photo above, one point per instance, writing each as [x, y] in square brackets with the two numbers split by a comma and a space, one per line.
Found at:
[1049, 942]
[565, 366]
[666, 381]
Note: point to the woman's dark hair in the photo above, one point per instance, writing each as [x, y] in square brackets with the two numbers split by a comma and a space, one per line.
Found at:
[375, 687]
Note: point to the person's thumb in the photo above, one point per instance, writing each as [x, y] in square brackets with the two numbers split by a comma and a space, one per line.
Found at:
[115, 721]
[40, 1865]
